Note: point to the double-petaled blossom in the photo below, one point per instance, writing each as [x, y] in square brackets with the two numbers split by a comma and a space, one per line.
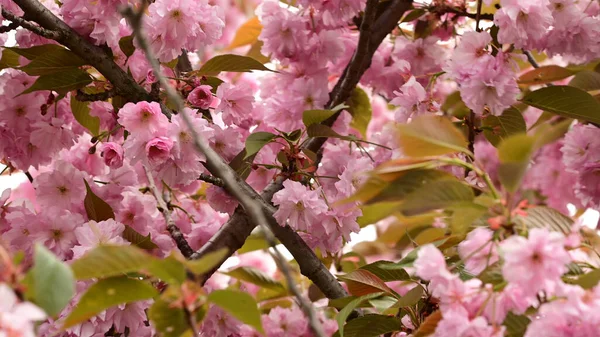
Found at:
[535, 263]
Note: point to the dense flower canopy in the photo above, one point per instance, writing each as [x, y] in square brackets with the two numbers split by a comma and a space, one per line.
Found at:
[164, 138]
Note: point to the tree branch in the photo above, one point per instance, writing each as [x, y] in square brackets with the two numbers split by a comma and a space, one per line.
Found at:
[94, 55]
[212, 180]
[235, 232]
[101, 96]
[5, 29]
[174, 231]
[219, 168]
[19, 21]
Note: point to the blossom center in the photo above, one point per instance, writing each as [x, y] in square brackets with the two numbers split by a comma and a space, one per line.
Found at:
[62, 189]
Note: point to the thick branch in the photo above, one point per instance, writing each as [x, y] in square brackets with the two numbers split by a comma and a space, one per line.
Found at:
[101, 96]
[219, 168]
[235, 232]
[94, 55]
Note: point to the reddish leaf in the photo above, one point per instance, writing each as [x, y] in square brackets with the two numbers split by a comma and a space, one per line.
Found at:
[362, 282]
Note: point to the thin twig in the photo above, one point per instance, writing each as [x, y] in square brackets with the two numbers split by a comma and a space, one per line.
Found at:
[531, 59]
[101, 96]
[11, 26]
[174, 231]
[212, 180]
[49, 34]
[29, 177]
[478, 15]
[252, 207]
[449, 9]
[94, 55]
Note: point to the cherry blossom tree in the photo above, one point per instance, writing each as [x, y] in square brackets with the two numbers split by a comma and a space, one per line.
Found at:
[177, 150]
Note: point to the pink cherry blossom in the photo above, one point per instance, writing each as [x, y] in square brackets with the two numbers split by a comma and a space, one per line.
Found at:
[299, 207]
[478, 250]
[535, 263]
[17, 318]
[201, 97]
[143, 119]
[112, 154]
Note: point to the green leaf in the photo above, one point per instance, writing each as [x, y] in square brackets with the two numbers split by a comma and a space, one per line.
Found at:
[371, 326]
[126, 45]
[53, 62]
[408, 183]
[257, 141]
[207, 262]
[429, 325]
[35, 51]
[587, 80]
[62, 82]
[229, 62]
[549, 133]
[169, 320]
[410, 298]
[454, 106]
[239, 305]
[588, 280]
[247, 33]
[429, 135]
[255, 276]
[374, 212]
[214, 82]
[169, 269]
[463, 216]
[310, 117]
[108, 293]
[500, 127]
[252, 243]
[386, 275]
[546, 217]
[362, 282]
[96, 208]
[414, 14]
[516, 325]
[107, 260]
[514, 153]
[565, 101]
[10, 59]
[361, 111]
[242, 165]
[545, 74]
[342, 316]
[137, 239]
[81, 112]
[255, 52]
[52, 281]
[437, 195]
[324, 131]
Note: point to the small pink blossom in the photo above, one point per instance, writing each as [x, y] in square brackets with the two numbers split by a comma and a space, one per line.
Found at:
[299, 207]
[143, 119]
[478, 250]
[236, 102]
[17, 318]
[158, 150]
[201, 97]
[535, 263]
[112, 154]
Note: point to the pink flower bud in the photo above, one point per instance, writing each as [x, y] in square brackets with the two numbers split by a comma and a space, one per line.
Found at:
[112, 154]
[158, 150]
[150, 78]
[201, 97]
